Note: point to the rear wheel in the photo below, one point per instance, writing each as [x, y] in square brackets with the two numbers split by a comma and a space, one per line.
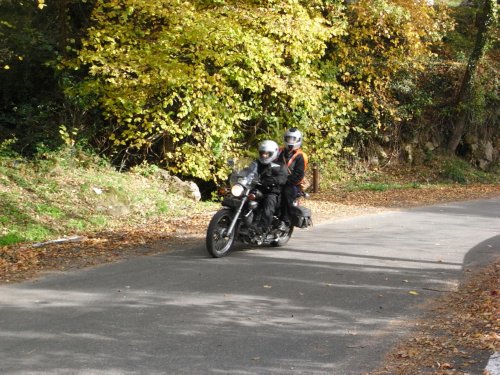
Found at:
[283, 237]
[218, 243]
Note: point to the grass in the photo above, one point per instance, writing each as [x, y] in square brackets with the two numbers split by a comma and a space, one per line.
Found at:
[11, 239]
[457, 170]
[436, 172]
[63, 195]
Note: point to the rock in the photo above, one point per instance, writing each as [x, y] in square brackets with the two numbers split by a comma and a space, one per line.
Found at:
[175, 185]
[164, 175]
[430, 146]
[496, 143]
[373, 160]
[408, 153]
[381, 154]
[471, 139]
[483, 164]
[488, 150]
[195, 191]
[419, 156]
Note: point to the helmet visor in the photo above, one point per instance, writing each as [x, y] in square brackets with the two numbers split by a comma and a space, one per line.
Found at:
[290, 139]
[264, 155]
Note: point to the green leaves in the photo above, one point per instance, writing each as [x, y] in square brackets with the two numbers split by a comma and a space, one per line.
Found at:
[386, 39]
[197, 82]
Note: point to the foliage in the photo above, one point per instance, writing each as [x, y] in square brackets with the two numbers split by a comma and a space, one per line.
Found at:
[387, 47]
[458, 170]
[187, 85]
[197, 82]
[381, 186]
[437, 90]
[469, 98]
[33, 35]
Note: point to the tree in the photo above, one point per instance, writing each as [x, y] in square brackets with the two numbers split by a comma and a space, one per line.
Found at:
[486, 22]
[388, 44]
[190, 84]
[33, 35]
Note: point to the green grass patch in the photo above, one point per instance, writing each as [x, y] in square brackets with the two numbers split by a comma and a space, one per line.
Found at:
[459, 171]
[77, 224]
[162, 207]
[37, 232]
[11, 239]
[51, 211]
[98, 222]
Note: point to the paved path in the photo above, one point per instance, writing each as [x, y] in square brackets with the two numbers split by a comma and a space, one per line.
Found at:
[333, 301]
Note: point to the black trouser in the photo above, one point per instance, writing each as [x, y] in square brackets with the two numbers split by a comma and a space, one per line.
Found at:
[289, 195]
[268, 206]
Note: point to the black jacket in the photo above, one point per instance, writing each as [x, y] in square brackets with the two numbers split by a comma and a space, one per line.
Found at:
[272, 176]
[296, 170]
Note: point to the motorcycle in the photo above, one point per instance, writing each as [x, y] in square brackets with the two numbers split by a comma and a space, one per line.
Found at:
[240, 208]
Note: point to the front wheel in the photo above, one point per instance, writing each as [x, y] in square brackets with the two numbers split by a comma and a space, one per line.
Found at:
[283, 237]
[218, 243]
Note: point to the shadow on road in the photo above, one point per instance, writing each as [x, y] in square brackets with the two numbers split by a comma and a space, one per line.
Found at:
[333, 301]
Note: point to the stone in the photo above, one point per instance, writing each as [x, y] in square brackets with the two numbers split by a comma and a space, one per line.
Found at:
[488, 150]
[408, 153]
[430, 146]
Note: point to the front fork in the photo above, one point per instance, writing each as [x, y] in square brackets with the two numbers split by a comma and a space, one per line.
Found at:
[236, 216]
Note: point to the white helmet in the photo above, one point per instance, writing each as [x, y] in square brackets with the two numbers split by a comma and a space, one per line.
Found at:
[293, 139]
[268, 151]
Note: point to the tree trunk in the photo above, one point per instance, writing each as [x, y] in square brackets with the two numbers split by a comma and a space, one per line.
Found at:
[62, 14]
[486, 22]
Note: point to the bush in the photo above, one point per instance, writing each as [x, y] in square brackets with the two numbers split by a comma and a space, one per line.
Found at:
[459, 171]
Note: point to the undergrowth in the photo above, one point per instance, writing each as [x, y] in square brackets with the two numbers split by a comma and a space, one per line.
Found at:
[438, 171]
[71, 192]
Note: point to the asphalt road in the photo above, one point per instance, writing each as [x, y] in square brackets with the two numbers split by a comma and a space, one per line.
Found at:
[333, 301]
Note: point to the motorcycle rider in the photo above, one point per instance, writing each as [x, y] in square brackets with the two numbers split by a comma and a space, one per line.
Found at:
[291, 156]
[272, 176]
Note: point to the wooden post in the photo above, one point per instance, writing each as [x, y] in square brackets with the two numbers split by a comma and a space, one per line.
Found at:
[315, 178]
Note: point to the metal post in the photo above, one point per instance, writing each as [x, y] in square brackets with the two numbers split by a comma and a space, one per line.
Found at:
[315, 178]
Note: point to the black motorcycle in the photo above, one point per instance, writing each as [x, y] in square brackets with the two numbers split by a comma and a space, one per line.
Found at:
[234, 222]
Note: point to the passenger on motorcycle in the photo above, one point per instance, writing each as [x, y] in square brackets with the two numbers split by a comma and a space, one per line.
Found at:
[295, 160]
[272, 176]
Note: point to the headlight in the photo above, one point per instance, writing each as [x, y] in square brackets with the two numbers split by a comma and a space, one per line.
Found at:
[237, 190]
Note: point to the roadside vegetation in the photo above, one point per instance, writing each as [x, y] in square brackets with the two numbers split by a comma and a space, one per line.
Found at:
[187, 85]
[72, 192]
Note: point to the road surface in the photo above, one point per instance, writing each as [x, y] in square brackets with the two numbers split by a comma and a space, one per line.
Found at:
[333, 301]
